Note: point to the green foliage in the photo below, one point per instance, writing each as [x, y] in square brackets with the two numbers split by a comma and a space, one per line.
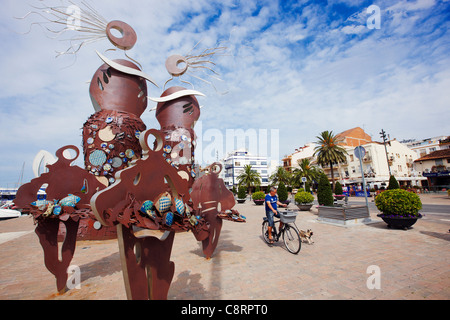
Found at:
[393, 184]
[280, 175]
[234, 190]
[338, 188]
[282, 192]
[329, 151]
[398, 202]
[258, 195]
[249, 177]
[324, 193]
[304, 197]
[242, 194]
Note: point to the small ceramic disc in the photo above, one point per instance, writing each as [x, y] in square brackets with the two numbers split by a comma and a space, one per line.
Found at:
[167, 149]
[106, 134]
[90, 140]
[129, 153]
[97, 158]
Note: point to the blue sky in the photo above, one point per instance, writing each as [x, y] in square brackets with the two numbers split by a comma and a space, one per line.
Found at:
[300, 67]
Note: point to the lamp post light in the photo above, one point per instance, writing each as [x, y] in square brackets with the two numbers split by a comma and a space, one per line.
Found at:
[383, 135]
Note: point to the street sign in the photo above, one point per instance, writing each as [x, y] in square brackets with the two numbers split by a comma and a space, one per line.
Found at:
[303, 179]
[360, 152]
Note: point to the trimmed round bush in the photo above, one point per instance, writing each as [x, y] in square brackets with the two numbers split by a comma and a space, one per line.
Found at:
[399, 202]
[303, 197]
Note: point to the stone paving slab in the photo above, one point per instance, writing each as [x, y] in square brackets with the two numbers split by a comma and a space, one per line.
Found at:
[413, 264]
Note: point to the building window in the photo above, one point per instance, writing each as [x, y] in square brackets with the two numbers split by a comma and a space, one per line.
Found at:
[253, 163]
[237, 164]
[351, 157]
[399, 168]
[264, 163]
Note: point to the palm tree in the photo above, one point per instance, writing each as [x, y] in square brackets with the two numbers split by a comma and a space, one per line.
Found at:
[306, 170]
[281, 175]
[329, 151]
[249, 177]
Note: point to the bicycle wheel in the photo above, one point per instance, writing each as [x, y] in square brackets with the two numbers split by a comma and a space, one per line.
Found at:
[265, 231]
[292, 240]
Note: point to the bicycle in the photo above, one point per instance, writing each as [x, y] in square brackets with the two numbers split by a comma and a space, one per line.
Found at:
[291, 237]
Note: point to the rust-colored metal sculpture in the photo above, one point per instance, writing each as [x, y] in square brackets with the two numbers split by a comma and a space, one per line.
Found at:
[127, 183]
[69, 190]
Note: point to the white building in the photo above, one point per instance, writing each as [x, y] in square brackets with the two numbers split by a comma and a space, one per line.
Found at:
[425, 146]
[233, 166]
[306, 152]
[377, 166]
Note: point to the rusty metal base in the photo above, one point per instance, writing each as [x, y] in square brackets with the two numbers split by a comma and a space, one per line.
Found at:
[47, 231]
[146, 266]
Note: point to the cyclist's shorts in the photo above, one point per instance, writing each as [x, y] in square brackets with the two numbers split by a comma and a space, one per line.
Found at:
[270, 215]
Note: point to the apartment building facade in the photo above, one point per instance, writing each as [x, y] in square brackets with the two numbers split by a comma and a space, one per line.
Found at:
[234, 162]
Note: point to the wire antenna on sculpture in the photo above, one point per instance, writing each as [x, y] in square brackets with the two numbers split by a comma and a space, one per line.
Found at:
[58, 20]
[193, 64]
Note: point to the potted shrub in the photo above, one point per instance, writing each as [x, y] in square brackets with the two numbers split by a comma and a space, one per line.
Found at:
[338, 193]
[242, 194]
[304, 200]
[282, 194]
[258, 197]
[400, 208]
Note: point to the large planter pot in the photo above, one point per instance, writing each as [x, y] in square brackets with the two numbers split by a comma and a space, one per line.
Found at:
[304, 206]
[240, 200]
[339, 196]
[258, 202]
[399, 222]
[286, 202]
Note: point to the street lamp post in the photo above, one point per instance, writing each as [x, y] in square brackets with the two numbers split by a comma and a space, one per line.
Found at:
[383, 135]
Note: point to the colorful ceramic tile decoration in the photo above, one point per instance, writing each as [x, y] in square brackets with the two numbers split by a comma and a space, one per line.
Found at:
[129, 153]
[146, 206]
[97, 158]
[168, 219]
[193, 220]
[167, 149]
[57, 210]
[69, 201]
[152, 214]
[90, 140]
[163, 203]
[116, 162]
[41, 204]
[49, 210]
[180, 206]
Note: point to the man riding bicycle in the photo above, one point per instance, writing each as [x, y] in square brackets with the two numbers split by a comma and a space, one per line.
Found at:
[271, 204]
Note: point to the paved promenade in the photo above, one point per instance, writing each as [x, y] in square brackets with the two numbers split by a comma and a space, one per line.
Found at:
[413, 264]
